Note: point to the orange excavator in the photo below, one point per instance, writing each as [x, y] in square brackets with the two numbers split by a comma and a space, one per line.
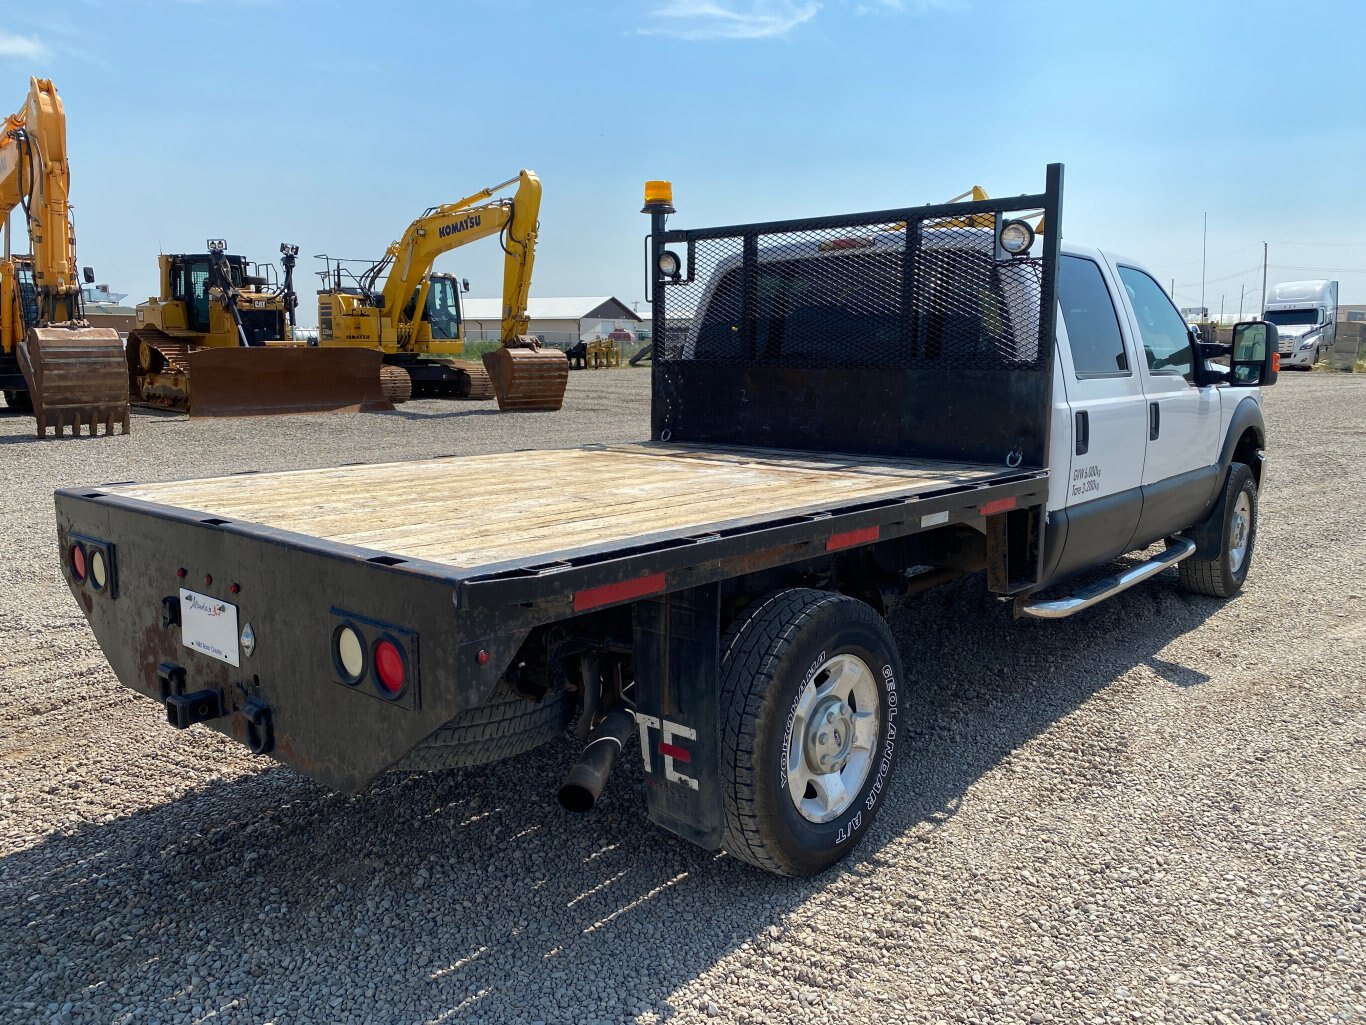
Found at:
[53, 364]
[414, 315]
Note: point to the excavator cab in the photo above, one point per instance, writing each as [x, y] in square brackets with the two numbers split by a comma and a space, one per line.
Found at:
[443, 308]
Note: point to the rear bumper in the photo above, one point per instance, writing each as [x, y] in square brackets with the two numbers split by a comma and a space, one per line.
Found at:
[288, 696]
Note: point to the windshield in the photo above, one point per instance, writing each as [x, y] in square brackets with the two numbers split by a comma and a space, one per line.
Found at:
[443, 309]
[1294, 318]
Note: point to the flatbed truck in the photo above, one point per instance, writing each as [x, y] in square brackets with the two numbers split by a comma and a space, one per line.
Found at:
[845, 411]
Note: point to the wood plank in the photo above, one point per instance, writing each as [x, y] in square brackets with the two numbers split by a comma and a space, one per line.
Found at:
[467, 511]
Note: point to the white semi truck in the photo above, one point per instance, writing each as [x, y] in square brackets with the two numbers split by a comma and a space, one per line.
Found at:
[1306, 317]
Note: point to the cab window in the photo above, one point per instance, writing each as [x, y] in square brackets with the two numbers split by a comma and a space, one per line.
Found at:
[1166, 343]
[1092, 324]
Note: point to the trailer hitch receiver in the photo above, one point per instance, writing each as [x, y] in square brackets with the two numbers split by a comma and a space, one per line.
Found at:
[184, 710]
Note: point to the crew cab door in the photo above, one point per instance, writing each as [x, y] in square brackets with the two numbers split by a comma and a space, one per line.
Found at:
[1099, 455]
[1183, 420]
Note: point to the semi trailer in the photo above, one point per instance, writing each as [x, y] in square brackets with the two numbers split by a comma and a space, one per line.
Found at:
[846, 411]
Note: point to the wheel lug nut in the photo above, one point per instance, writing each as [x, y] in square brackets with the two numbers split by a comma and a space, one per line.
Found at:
[823, 738]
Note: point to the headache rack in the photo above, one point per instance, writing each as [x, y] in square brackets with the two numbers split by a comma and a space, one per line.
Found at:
[907, 332]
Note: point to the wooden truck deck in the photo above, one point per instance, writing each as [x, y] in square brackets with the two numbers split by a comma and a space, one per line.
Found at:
[471, 511]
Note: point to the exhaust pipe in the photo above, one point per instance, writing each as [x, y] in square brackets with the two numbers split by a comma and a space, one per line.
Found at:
[583, 785]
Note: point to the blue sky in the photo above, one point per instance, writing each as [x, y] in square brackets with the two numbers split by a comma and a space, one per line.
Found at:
[334, 124]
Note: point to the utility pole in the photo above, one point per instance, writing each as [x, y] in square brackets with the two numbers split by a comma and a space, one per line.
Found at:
[1221, 309]
[1204, 236]
[1172, 293]
[1241, 292]
[1263, 277]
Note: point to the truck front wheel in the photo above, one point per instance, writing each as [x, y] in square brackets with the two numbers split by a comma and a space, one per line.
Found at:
[809, 698]
[1235, 517]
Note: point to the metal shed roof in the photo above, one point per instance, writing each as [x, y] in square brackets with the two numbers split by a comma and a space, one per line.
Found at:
[571, 307]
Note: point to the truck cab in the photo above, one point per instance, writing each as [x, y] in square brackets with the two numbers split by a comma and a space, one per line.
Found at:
[1305, 314]
[1143, 433]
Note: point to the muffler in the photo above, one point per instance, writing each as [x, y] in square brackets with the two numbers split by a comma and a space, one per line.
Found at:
[583, 785]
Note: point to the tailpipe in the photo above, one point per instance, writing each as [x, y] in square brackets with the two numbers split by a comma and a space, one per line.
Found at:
[583, 785]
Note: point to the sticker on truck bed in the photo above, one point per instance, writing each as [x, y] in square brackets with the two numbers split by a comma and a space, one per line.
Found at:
[209, 625]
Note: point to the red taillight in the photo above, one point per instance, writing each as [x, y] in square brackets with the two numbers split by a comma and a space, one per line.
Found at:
[389, 667]
[78, 562]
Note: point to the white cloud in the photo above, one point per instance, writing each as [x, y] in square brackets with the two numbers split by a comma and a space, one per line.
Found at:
[21, 47]
[904, 6]
[712, 19]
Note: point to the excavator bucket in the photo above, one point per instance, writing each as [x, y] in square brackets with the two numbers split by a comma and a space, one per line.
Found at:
[76, 377]
[268, 380]
[528, 377]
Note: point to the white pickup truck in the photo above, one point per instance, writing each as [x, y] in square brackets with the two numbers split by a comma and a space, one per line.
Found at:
[845, 412]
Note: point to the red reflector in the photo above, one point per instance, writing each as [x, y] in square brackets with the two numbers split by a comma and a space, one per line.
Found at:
[78, 562]
[678, 754]
[852, 537]
[609, 594]
[999, 506]
[389, 666]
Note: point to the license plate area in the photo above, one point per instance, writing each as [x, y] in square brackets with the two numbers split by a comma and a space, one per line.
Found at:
[209, 625]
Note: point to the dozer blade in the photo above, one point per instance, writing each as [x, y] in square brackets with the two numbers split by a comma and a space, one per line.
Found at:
[269, 380]
[76, 378]
[528, 379]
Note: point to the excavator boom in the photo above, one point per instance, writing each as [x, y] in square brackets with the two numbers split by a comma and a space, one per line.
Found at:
[72, 373]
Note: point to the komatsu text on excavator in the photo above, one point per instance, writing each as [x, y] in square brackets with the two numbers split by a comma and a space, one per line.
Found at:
[217, 342]
[413, 316]
[52, 362]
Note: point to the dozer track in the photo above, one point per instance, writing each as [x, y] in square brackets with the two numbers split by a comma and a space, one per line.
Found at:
[265, 380]
[75, 377]
[527, 377]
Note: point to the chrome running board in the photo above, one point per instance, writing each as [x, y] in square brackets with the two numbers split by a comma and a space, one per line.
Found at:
[1061, 608]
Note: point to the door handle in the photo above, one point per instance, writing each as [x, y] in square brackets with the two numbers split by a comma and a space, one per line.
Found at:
[1154, 421]
[1083, 432]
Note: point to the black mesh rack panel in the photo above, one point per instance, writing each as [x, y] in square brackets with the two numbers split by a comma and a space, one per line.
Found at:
[908, 332]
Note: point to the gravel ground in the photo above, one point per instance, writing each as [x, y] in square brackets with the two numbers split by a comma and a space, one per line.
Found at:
[1152, 812]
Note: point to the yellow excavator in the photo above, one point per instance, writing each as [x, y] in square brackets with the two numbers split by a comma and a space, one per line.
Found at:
[53, 364]
[217, 342]
[414, 318]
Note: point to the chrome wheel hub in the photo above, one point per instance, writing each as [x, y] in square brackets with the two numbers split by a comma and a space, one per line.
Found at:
[1239, 532]
[835, 726]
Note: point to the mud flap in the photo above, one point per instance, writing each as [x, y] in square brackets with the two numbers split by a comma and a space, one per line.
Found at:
[268, 380]
[76, 378]
[677, 652]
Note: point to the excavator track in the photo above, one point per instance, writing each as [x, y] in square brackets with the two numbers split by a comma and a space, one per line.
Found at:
[75, 379]
[444, 378]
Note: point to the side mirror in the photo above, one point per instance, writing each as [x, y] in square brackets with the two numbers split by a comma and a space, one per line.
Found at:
[1254, 357]
[89, 274]
[465, 284]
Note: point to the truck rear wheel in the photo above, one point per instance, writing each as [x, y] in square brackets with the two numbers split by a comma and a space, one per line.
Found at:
[507, 724]
[809, 694]
[1235, 518]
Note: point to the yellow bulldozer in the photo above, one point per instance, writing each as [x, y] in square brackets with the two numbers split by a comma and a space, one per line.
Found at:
[53, 364]
[217, 342]
[400, 307]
